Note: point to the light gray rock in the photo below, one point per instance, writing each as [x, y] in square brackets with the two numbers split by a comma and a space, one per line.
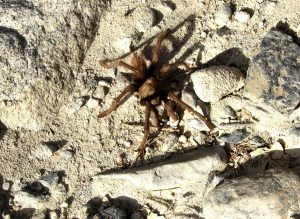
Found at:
[242, 16]
[258, 141]
[234, 137]
[23, 199]
[223, 15]
[185, 169]
[144, 17]
[213, 83]
[272, 194]
[273, 76]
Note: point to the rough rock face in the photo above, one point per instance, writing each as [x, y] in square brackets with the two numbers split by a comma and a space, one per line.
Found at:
[187, 173]
[42, 48]
[273, 75]
[272, 194]
[213, 83]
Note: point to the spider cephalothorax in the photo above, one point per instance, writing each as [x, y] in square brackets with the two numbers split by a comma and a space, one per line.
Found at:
[150, 83]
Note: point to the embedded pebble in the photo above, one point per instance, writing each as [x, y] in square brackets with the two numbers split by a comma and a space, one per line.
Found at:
[144, 17]
[169, 5]
[242, 16]
[234, 137]
[223, 15]
[75, 106]
[197, 125]
[168, 142]
[182, 139]
[100, 92]
[43, 151]
[6, 186]
[230, 112]
[92, 103]
[213, 83]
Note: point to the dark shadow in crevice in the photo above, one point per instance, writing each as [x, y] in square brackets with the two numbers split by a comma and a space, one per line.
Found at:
[3, 130]
[121, 205]
[284, 27]
[233, 57]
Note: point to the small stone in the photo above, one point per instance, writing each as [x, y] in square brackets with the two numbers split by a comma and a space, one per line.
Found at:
[169, 5]
[197, 125]
[213, 83]
[92, 103]
[100, 92]
[234, 137]
[169, 141]
[276, 151]
[223, 15]
[6, 185]
[26, 200]
[54, 182]
[258, 141]
[255, 196]
[43, 151]
[182, 139]
[230, 112]
[68, 154]
[242, 16]
[144, 17]
[75, 106]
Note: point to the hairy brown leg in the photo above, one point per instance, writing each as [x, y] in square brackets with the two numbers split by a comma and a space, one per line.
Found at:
[154, 116]
[186, 106]
[156, 48]
[115, 63]
[118, 100]
[146, 130]
[170, 111]
[167, 68]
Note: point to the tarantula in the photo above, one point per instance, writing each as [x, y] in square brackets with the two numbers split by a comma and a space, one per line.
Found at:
[151, 84]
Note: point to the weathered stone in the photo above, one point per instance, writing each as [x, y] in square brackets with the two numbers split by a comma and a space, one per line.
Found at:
[242, 16]
[213, 83]
[272, 194]
[144, 17]
[42, 48]
[273, 75]
[223, 15]
[234, 137]
[258, 141]
[180, 171]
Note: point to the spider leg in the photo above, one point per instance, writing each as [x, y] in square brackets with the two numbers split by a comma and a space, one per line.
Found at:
[189, 108]
[118, 100]
[169, 108]
[146, 130]
[116, 62]
[167, 68]
[156, 48]
[154, 116]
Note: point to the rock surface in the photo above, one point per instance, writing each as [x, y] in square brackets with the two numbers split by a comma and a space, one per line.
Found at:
[273, 75]
[213, 83]
[273, 194]
[185, 174]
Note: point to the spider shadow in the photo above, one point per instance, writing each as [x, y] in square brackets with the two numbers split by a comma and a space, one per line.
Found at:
[177, 44]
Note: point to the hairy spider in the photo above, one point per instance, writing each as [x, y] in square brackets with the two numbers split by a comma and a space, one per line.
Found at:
[151, 84]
